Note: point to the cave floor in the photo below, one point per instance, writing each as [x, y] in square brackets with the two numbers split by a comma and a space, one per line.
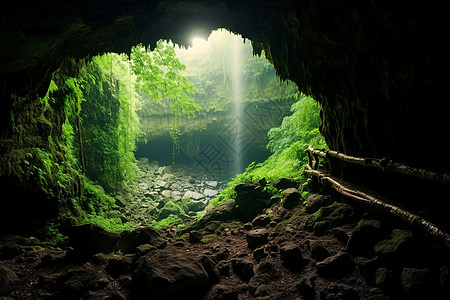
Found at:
[282, 254]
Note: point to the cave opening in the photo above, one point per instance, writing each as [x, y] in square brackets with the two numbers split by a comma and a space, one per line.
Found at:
[198, 116]
[297, 225]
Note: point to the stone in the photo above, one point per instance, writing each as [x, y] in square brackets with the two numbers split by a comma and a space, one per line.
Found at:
[209, 192]
[306, 288]
[173, 274]
[291, 197]
[212, 183]
[321, 227]
[250, 200]
[416, 282]
[261, 220]
[318, 252]
[222, 292]
[364, 237]
[193, 195]
[315, 201]
[89, 239]
[385, 279]
[259, 253]
[257, 237]
[291, 255]
[284, 183]
[120, 201]
[243, 268]
[367, 267]
[8, 280]
[248, 226]
[265, 274]
[119, 265]
[144, 249]
[195, 236]
[222, 212]
[339, 291]
[336, 214]
[335, 266]
[224, 268]
[77, 281]
[130, 240]
[172, 208]
[396, 248]
[196, 205]
[166, 194]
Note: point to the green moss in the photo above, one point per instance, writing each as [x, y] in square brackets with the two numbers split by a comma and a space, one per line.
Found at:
[209, 238]
[166, 222]
[287, 143]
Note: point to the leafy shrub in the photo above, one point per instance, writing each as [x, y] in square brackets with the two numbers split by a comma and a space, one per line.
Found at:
[287, 144]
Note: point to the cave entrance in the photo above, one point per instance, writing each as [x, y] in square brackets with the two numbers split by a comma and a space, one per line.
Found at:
[240, 98]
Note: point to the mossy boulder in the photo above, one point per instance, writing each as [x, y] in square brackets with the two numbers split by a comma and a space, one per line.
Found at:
[172, 208]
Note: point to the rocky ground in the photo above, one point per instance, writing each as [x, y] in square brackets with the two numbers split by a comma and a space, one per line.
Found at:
[251, 247]
[184, 191]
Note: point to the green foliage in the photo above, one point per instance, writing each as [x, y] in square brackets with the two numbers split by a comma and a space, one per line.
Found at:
[287, 143]
[50, 235]
[166, 222]
[110, 125]
[158, 77]
[99, 209]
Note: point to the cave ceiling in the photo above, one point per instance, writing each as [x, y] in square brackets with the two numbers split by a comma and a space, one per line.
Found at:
[369, 63]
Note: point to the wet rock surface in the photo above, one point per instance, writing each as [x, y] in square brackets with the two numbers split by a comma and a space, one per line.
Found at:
[167, 190]
[217, 260]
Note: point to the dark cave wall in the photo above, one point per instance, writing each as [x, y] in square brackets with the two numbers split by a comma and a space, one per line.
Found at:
[377, 67]
[371, 64]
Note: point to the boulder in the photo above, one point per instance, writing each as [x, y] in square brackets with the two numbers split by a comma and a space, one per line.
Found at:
[193, 195]
[212, 183]
[210, 192]
[222, 212]
[77, 281]
[291, 255]
[196, 205]
[265, 274]
[284, 183]
[335, 266]
[173, 274]
[339, 291]
[257, 237]
[291, 197]
[364, 237]
[335, 215]
[315, 201]
[385, 279]
[243, 268]
[172, 208]
[222, 292]
[261, 220]
[8, 280]
[130, 240]
[89, 239]
[397, 248]
[417, 283]
[318, 252]
[250, 200]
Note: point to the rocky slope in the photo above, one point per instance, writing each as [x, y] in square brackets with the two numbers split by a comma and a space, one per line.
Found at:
[320, 249]
[184, 191]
